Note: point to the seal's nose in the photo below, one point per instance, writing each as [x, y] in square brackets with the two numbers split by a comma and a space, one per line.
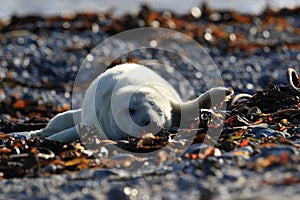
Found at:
[146, 120]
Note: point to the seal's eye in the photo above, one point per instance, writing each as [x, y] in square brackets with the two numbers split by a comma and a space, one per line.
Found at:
[131, 111]
[151, 103]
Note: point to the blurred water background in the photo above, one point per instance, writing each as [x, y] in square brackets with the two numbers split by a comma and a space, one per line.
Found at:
[45, 7]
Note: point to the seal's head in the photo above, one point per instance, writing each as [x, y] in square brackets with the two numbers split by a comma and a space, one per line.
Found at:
[147, 111]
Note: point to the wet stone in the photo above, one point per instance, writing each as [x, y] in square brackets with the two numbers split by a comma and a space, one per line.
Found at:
[267, 151]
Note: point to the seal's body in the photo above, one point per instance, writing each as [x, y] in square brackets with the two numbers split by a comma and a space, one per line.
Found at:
[129, 99]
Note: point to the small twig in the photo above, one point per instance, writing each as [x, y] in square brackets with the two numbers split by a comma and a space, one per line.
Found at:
[289, 111]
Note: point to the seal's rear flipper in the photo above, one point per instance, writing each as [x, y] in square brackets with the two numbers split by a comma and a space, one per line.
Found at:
[67, 135]
[61, 123]
[183, 113]
[214, 97]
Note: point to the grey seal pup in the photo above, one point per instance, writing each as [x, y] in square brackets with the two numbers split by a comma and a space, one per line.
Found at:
[129, 99]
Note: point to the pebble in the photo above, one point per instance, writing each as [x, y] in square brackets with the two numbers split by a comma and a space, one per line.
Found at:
[195, 149]
[261, 132]
[243, 152]
[50, 168]
[278, 150]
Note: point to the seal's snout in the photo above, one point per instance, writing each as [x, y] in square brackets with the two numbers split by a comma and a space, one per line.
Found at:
[146, 120]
